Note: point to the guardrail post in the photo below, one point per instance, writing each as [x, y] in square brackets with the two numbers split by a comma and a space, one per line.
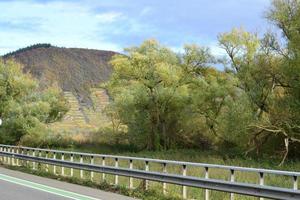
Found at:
[5, 159]
[81, 171]
[27, 152]
[13, 159]
[116, 176]
[103, 164]
[72, 160]
[261, 181]
[9, 158]
[295, 182]
[206, 177]
[62, 168]
[184, 191]
[22, 161]
[1, 157]
[33, 163]
[164, 184]
[130, 178]
[47, 166]
[39, 164]
[146, 169]
[232, 180]
[17, 160]
[54, 166]
[92, 173]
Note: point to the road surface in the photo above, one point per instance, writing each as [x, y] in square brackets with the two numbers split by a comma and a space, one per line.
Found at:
[16, 185]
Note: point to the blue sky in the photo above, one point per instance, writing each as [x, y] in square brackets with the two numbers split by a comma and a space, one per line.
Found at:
[116, 24]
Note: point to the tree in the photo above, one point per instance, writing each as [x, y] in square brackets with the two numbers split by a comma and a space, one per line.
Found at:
[260, 73]
[286, 15]
[148, 89]
[168, 99]
[24, 108]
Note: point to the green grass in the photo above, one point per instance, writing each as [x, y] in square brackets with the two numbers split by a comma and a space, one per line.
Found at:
[173, 191]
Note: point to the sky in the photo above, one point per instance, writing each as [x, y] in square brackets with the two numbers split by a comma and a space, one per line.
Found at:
[117, 24]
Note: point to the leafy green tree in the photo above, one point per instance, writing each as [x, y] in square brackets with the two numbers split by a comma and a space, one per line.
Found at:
[148, 89]
[169, 100]
[286, 15]
[24, 108]
[260, 69]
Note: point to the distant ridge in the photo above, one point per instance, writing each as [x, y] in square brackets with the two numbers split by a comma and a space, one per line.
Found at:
[78, 72]
[35, 46]
[75, 70]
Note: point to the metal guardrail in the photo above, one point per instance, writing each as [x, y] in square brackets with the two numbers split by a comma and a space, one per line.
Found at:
[12, 154]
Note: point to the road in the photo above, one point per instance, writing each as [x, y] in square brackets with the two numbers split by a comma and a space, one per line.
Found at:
[16, 185]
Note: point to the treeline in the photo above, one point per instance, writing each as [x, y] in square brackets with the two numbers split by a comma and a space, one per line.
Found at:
[35, 46]
[170, 100]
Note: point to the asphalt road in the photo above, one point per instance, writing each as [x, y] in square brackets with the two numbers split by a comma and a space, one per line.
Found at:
[14, 191]
[16, 185]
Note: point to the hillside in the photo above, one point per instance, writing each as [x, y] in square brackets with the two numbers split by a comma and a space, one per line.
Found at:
[77, 71]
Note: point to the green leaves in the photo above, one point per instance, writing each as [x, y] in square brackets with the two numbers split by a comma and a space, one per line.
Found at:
[155, 91]
[23, 106]
[268, 73]
[148, 89]
[168, 100]
[240, 46]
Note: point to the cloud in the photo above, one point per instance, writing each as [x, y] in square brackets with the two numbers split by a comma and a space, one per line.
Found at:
[108, 17]
[146, 11]
[20, 24]
[61, 23]
[115, 24]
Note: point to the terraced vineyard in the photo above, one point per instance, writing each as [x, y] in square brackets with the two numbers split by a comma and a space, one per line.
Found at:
[81, 118]
[100, 100]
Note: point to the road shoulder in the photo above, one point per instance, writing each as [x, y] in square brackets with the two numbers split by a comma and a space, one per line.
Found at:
[92, 192]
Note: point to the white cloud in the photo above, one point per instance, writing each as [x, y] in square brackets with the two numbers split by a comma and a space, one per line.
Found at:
[114, 24]
[146, 11]
[108, 17]
[60, 23]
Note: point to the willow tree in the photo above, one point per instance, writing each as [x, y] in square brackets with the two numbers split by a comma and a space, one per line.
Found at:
[285, 14]
[24, 107]
[168, 99]
[149, 93]
[261, 73]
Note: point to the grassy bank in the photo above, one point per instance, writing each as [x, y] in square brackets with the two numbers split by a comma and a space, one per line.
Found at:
[193, 155]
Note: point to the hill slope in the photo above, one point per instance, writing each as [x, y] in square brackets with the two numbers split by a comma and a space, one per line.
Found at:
[77, 72]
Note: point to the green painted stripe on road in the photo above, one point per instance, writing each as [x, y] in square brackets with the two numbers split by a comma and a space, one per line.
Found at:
[45, 188]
